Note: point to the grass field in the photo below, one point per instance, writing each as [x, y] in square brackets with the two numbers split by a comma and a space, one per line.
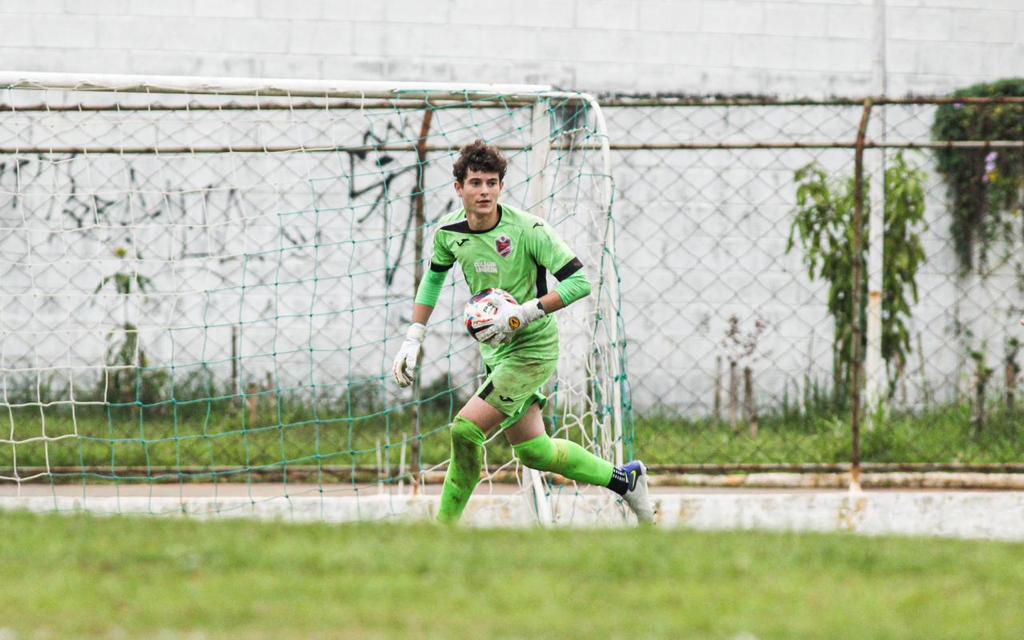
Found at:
[126, 578]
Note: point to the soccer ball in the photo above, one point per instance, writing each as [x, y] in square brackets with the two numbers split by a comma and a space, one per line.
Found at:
[482, 309]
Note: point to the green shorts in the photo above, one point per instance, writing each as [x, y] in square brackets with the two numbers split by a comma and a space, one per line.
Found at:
[514, 383]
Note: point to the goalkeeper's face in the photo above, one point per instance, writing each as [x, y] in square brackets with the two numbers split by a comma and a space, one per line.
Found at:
[480, 191]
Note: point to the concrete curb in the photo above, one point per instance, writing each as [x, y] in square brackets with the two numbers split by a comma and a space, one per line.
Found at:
[956, 514]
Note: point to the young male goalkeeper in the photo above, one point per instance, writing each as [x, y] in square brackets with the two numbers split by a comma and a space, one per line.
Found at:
[500, 247]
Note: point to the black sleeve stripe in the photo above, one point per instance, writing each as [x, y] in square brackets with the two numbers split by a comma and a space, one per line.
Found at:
[572, 267]
[542, 281]
[440, 268]
[486, 391]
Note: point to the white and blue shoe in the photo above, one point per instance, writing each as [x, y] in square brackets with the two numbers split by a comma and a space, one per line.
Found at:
[636, 496]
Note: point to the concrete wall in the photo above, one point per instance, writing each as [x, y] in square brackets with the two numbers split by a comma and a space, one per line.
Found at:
[808, 47]
[721, 219]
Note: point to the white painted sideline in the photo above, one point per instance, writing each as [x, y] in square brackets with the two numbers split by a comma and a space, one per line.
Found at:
[994, 515]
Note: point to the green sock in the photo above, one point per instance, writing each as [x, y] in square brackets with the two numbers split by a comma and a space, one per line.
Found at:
[463, 469]
[564, 457]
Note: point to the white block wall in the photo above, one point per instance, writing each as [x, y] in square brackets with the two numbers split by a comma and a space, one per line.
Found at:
[799, 47]
[806, 48]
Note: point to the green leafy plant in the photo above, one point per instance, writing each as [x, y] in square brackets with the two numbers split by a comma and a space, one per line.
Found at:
[128, 377]
[824, 228]
[984, 184]
[983, 373]
[1012, 371]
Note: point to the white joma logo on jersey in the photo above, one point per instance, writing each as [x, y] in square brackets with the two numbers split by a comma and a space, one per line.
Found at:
[485, 267]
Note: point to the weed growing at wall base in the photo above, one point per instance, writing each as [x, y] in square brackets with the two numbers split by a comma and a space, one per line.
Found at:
[342, 449]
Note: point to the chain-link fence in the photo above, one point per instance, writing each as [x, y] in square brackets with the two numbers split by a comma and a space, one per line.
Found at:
[737, 251]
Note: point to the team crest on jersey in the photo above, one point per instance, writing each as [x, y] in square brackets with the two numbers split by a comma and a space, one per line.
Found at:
[504, 246]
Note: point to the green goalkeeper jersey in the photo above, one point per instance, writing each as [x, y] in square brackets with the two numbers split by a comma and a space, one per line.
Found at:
[516, 255]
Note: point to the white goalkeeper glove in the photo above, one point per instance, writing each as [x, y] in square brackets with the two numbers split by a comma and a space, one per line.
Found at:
[510, 319]
[408, 354]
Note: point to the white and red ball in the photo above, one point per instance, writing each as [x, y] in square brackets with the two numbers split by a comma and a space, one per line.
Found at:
[482, 309]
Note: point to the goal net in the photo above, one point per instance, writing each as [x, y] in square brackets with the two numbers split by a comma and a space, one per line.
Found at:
[203, 283]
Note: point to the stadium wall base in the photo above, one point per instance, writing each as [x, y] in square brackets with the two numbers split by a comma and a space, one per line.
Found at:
[994, 515]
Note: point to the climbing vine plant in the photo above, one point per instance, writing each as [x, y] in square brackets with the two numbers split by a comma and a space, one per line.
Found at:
[985, 185]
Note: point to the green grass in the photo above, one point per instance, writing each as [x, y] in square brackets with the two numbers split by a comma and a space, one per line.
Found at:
[205, 427]
[222, 437]
[77, 576]
[216, 435]
[942, 435]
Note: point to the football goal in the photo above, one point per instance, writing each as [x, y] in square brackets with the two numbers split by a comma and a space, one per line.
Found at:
[203, 282]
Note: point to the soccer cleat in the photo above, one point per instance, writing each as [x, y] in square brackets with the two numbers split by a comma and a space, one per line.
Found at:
[636, 496]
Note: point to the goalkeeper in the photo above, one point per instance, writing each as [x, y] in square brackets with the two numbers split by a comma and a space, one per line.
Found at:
[500, 247]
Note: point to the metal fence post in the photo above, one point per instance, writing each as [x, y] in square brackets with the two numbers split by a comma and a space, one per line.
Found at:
[858, 275]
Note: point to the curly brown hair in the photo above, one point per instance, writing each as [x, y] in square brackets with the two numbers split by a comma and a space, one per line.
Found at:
[479, 156]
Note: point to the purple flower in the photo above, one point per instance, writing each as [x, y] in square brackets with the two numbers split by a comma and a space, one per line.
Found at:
[990, 167]
[990, 161]
[958, 105]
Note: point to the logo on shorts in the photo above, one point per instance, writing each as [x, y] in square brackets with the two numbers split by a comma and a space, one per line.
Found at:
[504, 246]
